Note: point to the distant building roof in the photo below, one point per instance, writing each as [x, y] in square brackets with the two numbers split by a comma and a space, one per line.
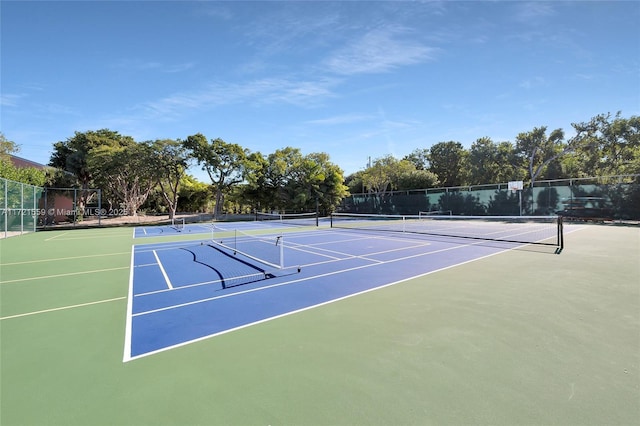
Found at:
[23, 162]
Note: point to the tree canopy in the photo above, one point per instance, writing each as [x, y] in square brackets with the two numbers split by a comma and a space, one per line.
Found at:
[604, 146]
[152, 174]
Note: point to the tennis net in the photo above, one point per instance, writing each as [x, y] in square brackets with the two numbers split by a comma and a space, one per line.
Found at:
[266, 250]
[299, 219]
[545, 230]
[177, 224]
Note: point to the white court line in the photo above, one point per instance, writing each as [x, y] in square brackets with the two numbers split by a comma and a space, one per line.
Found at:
[164, 273]
[455, 247]
[129, 319]
[62, 308]
[333, 259]
[62, 275]
[63, 258]
[59, 235]
[328, 274]
[130, 358]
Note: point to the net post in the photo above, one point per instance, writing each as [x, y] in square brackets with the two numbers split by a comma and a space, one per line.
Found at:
[281, 251]
[331, 220]
[561, 232]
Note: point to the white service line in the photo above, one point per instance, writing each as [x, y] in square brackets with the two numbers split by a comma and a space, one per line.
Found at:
[62, 308]
[164, 273]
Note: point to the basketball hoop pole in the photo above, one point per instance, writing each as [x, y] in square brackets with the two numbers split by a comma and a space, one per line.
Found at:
[520, 201]
[518, 186]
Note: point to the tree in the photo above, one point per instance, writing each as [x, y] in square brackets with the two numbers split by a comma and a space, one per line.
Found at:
[320, 182]
[255, 191]
[279, 177]
[537, 150]
[72, 156]
[222, 161]
[28, 175]
[449, 161]
[490, 162]
[194, 196]
[169, 160]
[605, 146]
[419, 158]
[287, 181]
[417, 179]
[128, 171]
[385, 174]
[7, 147]
[354, 182]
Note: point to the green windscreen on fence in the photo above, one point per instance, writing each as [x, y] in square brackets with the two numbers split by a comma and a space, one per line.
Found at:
[19, 208]
[614, 197]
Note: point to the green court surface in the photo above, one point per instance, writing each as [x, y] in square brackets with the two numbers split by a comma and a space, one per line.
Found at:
[524, 337]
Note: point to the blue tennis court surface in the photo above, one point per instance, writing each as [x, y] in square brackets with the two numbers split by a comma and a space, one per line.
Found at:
[182, 292]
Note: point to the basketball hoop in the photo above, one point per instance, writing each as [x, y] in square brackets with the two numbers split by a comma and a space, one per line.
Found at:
[516, 185]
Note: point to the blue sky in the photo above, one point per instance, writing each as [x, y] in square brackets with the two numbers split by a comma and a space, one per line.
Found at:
[356, 80]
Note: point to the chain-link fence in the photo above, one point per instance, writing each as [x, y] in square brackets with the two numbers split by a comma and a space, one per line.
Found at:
[71, 207]
[27, 208]
[613, 197]
[19, 209]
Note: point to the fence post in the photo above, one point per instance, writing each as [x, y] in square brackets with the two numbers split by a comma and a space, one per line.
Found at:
[21, 208]
[6, 207]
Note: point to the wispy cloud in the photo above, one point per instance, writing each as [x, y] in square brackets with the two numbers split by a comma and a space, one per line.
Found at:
[217, 10]
[532, 83]
[11, 99]
[139, 65]
[531, 12]
[257, 92]
[378, 51]
[293, 26]
[341, 119]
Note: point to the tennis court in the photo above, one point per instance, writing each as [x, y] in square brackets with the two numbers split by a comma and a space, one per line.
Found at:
[354, 325]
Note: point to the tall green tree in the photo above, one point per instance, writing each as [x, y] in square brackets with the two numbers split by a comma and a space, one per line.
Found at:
[255, 191]
[450, 162]
[419, 158]
[169, 160]
[288, 181]
[385, 173]
[195, 196]
[278, 177]
[72, 156]
[606, 146]
[537, 150]
[127, 171]
[491, 162]
[355, 183]
[319, 183]
[222, 161]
